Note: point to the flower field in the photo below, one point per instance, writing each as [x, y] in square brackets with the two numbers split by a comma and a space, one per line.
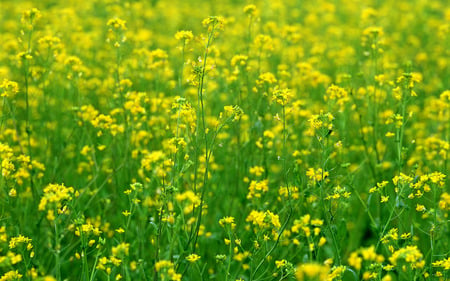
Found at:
[224, 140]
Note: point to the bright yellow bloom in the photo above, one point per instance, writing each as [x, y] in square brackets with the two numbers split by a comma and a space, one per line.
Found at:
[8, 88]
[192, 258]
[184, 35]
[250, 10]
[227, 221]
[308, 271]
[55, 195]
[410, 254]
[117, 24]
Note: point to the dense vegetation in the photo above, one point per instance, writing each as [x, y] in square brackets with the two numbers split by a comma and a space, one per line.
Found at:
[188, 140]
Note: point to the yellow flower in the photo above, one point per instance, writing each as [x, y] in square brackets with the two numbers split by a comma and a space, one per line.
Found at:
[12, 192]
[11, 275]
[184, 35]
[316, 175]
[264, 219]
[445, 263]
[257, 170]
[322, 241]
[266, 77]
[8, 88]
[420, 208]
[55, 195]
[18, 240]
[121, 250]
[338, 94]
[280, 263]
[250, 10]
[29, 17]
[281, 96]
[239, 60]
[227, 221]
[410, 254]
[405, 235]
[257, 188]
[193, 258]
[355, 261]
[117, 24]
[309, 271]
[213, 23]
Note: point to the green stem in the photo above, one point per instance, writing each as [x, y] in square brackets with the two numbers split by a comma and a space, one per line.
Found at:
[180, 77]
[94, 270]
[283, 227]
[27, 112]
[205, 139]
[230, 252]
[384, 229]
[433, 226]
[85, 266]
[372, 220]
[324, 159]
[57, 252]
[285, 172]
[158, 236]
[366, 147]
[375, 106]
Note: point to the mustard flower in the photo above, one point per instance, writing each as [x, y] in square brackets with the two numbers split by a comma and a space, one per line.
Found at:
[409, 254]
[192, 258]
[8, 88]
[308, 271]
[250, 10]
[56, 195]
[184, 35]
[117, 24]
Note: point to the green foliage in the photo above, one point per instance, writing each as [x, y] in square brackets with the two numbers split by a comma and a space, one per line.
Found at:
[280, 140]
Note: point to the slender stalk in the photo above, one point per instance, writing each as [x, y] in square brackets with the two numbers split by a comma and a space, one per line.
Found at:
[285, 172]
[375, 106]
[283, 227]
[26, 73]
[372, 220]
[57, 253]
[363, 140]
[391, 215]
[94, 270]
[399, 138]
[433, 228]
[230, 252]
[205, 138]
[249, 33]
[160, 226]
[85, 266]
[180, 76]
[333, 235]
[324, 159]
[268, 253]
